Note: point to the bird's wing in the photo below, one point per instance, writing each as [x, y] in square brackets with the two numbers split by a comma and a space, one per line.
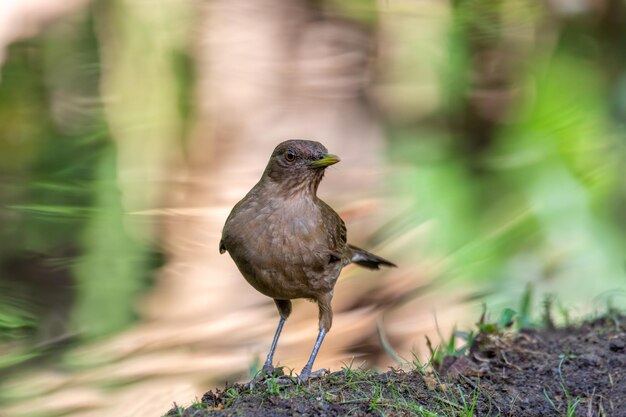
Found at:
[233, 213]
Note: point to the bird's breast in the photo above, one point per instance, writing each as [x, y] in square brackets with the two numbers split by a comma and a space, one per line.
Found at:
[281, 248]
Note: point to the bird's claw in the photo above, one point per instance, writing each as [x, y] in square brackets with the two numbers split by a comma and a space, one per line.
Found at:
[269, 370]
[307, 375]
[266, 372]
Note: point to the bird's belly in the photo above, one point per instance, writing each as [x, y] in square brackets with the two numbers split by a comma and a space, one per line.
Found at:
[282, 252]
[287, 272]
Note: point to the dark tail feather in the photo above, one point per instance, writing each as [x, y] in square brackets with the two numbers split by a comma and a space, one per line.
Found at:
[367, 260]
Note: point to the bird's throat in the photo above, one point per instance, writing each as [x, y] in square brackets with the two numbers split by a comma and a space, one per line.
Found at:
[298, 185]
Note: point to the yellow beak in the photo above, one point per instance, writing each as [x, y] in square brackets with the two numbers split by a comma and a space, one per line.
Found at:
[327, 160]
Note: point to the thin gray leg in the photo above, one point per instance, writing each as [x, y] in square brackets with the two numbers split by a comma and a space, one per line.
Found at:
[306, 371]
[268, 367]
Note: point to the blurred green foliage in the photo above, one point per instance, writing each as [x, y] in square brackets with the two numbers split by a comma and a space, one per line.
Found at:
[521, 175]
[60, 195]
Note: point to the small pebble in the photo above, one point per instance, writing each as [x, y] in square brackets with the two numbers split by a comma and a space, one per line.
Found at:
[590, 359]
[617, 344]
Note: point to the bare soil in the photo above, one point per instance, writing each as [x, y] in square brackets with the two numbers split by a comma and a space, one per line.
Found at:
[572, 371]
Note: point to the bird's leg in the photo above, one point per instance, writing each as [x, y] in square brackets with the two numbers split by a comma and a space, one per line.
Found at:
[268, 368]
[326, 321]
[306, 371]
[284, 308]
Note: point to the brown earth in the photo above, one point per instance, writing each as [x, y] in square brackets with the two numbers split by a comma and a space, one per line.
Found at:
[572, 371]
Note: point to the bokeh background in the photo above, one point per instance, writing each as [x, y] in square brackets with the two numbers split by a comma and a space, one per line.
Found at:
[483, 150]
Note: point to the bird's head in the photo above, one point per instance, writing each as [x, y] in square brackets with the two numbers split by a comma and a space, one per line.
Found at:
[299, 164]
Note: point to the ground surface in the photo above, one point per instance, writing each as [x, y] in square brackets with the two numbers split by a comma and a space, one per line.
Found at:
[574, 371]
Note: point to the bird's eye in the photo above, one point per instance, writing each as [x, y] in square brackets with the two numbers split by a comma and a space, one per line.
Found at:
[290, 156]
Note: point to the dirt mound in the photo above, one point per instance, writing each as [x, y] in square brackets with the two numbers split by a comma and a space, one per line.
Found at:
[573, 371]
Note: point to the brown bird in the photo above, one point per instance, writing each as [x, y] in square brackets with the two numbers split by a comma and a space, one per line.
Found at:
[287, 243]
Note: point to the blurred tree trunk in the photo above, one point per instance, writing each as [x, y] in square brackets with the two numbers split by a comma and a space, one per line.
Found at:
[490, 42]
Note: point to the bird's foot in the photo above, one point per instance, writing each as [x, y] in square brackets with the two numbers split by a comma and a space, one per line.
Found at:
[307, 375]
[268, 371]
